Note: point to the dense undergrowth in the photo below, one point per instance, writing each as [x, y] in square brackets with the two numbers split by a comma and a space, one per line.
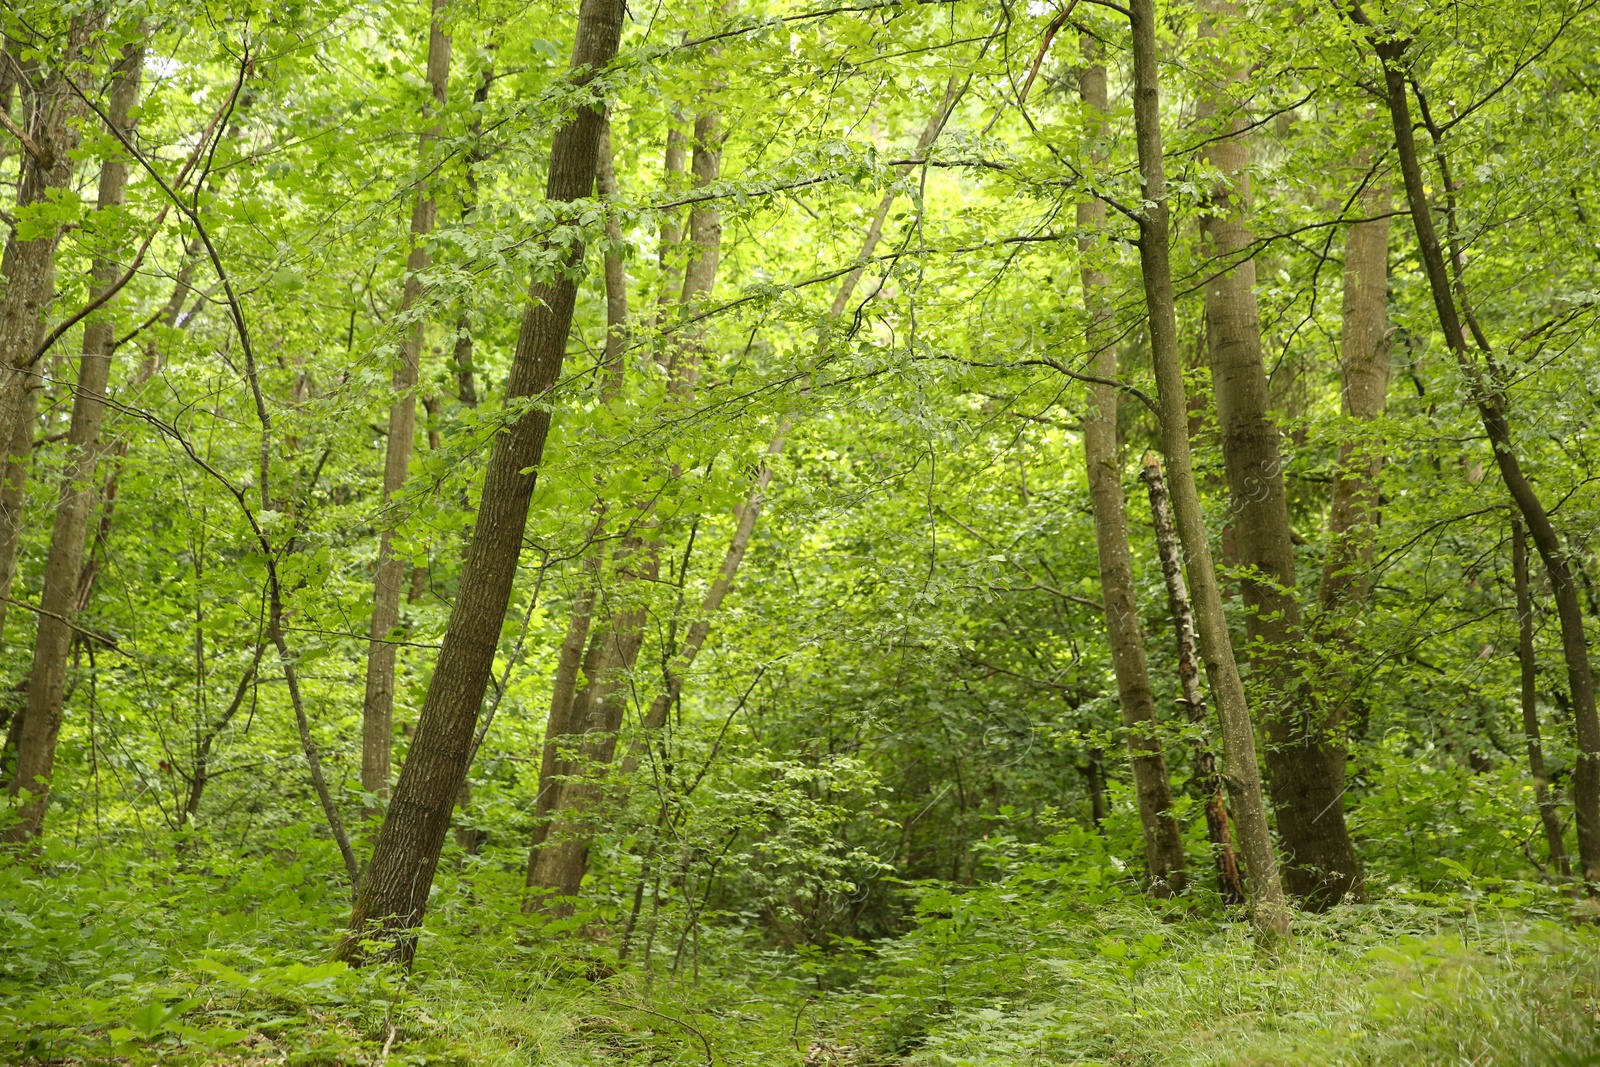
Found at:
[193, 951]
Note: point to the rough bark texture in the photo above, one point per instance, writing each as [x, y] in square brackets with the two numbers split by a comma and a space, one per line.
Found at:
[1163, 843]
[1207, 779]
[1305, 765]
[1548, 816]
[377, 709]
[1269, 910]
[394, 895]
[76, 492]
[1491, 404]
[28, 268]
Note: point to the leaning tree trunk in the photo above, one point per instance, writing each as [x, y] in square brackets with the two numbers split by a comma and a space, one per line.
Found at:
[1305, 766]
[394, 894]
[28, 270]
[75, 497]
[1491, 404]
[1230, 883]
[1270, 912]
[1163, 843]
[377, 708]
[1548, 815]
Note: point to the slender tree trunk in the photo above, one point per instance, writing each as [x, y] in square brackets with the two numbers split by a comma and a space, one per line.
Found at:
[1364, 387]
[1491, 404]
[559, 857]
[1163, 843]
[469, 839]
[75, 497]
[1305, 766]
[1230, 883]
[1548, 815]
[562, 724]
[28, 268]
[1094, 775]
[655, 716]
[395, 892]
[466, 383]
[1269, 910]
[377, 715]
[13, 491]
[200, 776]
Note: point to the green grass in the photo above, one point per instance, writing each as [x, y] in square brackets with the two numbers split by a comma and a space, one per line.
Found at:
[162, 958]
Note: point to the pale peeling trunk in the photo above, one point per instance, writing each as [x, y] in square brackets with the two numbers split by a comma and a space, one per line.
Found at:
[377, 709]
[28, 268]
[1163, 843]
[1270, 912]
[1207, 779]
[1305, 764]
[394, 894]
[76, 493]
[1491, 405]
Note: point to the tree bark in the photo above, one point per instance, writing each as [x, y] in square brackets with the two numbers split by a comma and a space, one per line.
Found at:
[1548, 816]
[1163, 843]
[1230, 883]
[1491, 404]
[1269, 911]
[41, 724]
[394, 894]
[377, 709]
[572, 660]
[1305, 765]
[28, 268]
[655, 716]
[559, 856]
[1364, 386]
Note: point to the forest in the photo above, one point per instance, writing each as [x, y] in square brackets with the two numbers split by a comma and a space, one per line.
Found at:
[826, 533]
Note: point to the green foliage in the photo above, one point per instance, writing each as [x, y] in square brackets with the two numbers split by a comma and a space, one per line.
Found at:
[865, 832]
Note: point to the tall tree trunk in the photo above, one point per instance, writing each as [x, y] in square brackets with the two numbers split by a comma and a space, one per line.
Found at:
[1230, 883]
[1270, 911]
[47, 681]
[28, 268]
[1491, 404]
[1530, 702]
[559, 857]
[466, 383]
[394, 894]
[655, 716]
[377, 709]
[1305, 767]
[562, 725]
[468, 838]
[1364, 387]
[1163, 843]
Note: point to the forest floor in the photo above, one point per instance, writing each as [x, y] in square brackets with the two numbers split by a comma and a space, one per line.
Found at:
[107, 958]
